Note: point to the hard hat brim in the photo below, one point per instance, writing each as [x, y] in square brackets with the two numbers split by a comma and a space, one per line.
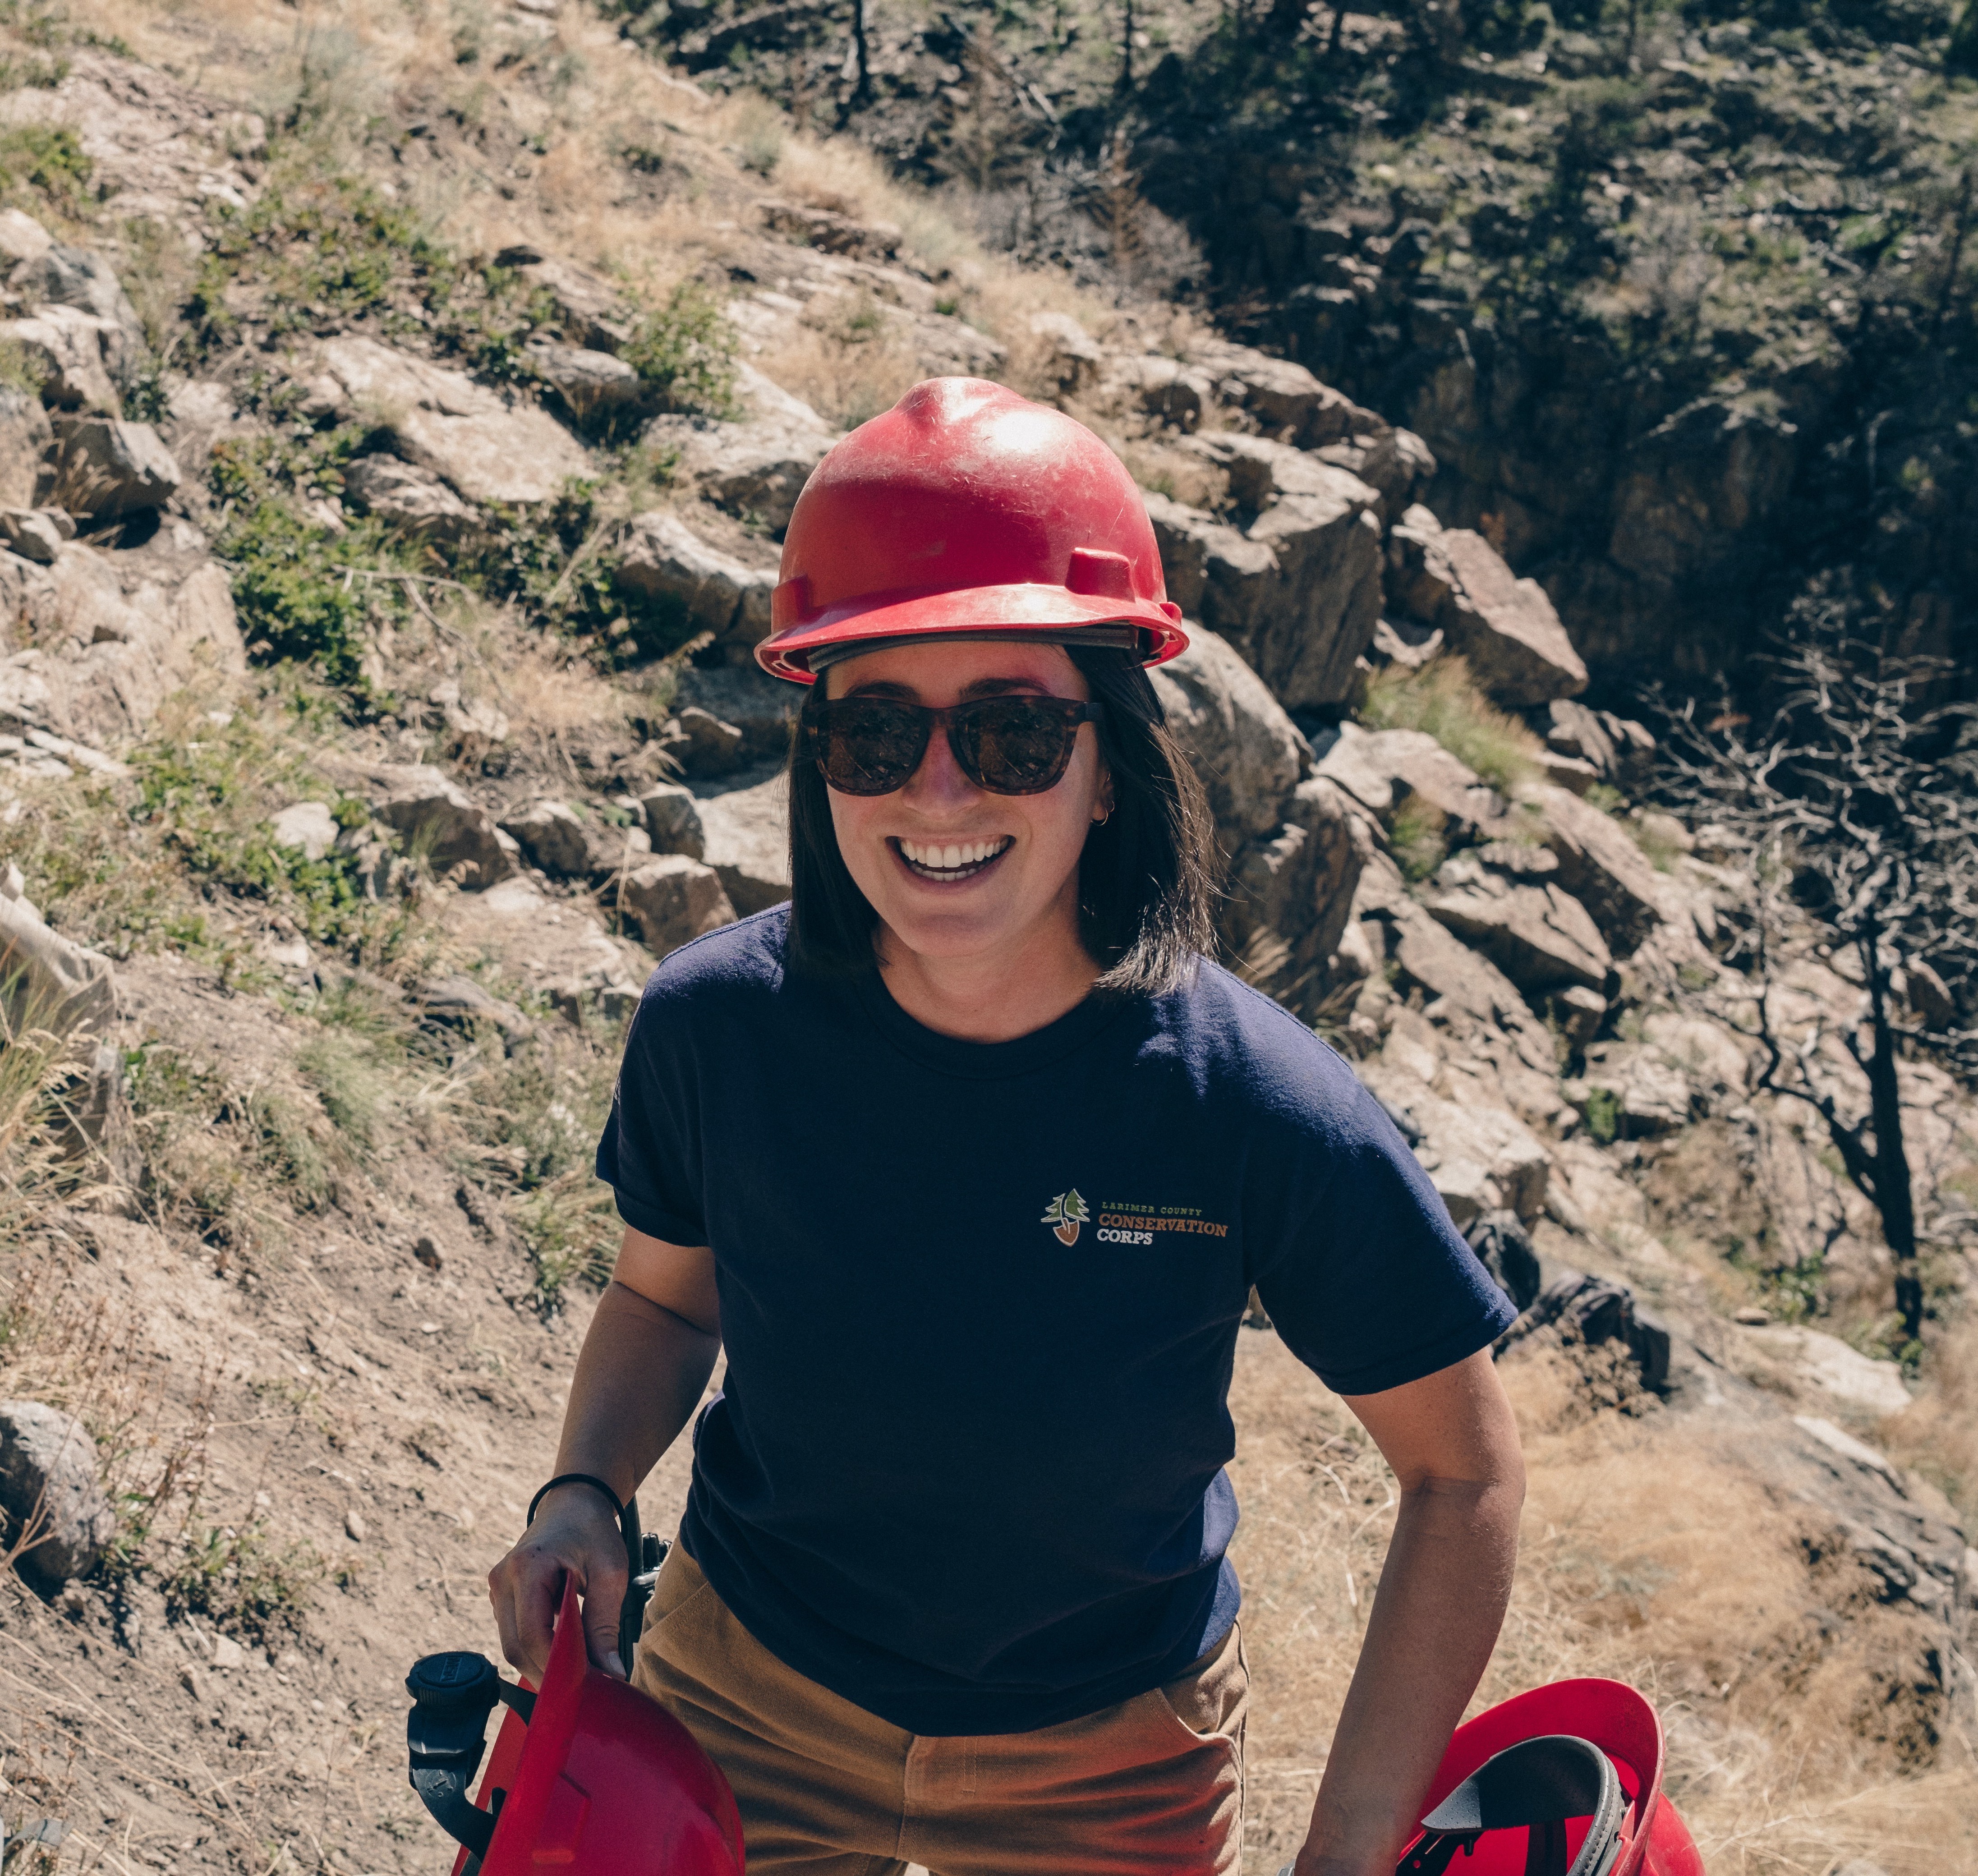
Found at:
[961, 613]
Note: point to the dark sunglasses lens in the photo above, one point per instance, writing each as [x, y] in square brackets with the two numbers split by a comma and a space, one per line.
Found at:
[869, 746]
[1015, 745]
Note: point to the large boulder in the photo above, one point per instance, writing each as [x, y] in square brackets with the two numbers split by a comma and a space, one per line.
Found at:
[743, 695]
[1427, 954]
[1601, 866]
[673, 820]
[59, 1518]
[82, 279]
[597, 389]
[110, 635]
[1538, 936]
[21, 238]
[588, 307]
[105, 468]
[66, 347]
[745, 833]
[25, 437]
[489, 447]
[1248, 752]
[48, 982]
[1506, 627]
[403, 496]
[1619, 750]
[673, 898]
[663, 559]
[1301, 596]
[1285, 400]
[438, 822]
[561, 842]
[756, 467]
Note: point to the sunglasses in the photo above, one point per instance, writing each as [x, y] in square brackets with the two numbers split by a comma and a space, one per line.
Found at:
[1008, 745]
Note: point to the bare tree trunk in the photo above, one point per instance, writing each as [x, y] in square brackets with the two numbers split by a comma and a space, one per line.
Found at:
[1894, 1196]
[862, 89]
[1126, 48]
[1944, 299]
[1332, 45]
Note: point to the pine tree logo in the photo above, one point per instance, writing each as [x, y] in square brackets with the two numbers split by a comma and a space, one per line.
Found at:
[1067, 1212]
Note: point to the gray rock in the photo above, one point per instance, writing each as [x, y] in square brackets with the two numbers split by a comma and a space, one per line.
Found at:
[662, 558]
[1579, 1012]
[1412, 763]
[115, 635]
[104, 467]
[1069, 357]
[672, 820]
[1507, 628]
[68, 346]
[1396, 462]
[1167, 390]
[462, 1002]
[1595, 1310]
[704, 744]
[21, 238]
[674, 899]
[763, 708]
[1290, 895]
[597, 388]
[1427, 953]
[490, 448]
[1601, 866]
[1297, 591]
[561, 842]
[437, 821]
[1246, 750]
[1480, 1159]
[403, 496]
[756, 467]
[1286, 401]
[588, 307]
[48, 982]
[25, 437]
[80, 278]
[747, 832]
[306, 825]
[1538, 936]
[1619, 751]
[49, 1489]
[32, 533]
[1643, 1093]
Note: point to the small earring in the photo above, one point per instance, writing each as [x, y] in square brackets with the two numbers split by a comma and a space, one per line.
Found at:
[1099, 820]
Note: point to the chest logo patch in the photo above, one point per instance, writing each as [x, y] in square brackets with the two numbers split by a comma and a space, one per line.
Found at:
[1066, 1212]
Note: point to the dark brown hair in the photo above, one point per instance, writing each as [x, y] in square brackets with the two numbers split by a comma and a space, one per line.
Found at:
[1144, 878]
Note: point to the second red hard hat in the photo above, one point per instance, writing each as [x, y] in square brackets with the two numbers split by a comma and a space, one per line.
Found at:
[967, 510]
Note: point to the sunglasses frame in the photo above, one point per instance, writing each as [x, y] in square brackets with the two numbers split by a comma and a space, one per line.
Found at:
[1070, 712]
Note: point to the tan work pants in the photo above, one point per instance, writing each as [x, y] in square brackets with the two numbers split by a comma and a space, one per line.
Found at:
[1151, 1787]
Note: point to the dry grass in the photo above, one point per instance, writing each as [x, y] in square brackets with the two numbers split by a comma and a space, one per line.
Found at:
[1651, 1553]
[1937, 1436]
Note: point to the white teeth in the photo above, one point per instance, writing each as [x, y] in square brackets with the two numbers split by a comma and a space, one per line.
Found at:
[948, 859]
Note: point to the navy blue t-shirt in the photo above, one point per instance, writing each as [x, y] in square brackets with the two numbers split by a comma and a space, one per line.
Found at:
[980, 1301]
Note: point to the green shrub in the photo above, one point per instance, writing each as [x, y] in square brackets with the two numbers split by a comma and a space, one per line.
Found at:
[244, 1580]
[687, 350]
[20, 369]
[1442, 698]
[1419, 837]
[48, 158]
[1603, 1115]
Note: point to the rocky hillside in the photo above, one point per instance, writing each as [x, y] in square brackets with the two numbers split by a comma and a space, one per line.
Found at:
[1681, 296]
[397, 419]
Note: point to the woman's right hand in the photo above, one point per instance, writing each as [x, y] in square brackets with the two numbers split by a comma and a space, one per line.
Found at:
[575, 1537]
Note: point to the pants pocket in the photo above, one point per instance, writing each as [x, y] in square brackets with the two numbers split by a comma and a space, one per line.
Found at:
[1210, 1699]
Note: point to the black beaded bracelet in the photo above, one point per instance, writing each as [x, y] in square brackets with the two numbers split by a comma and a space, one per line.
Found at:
[576, 1478]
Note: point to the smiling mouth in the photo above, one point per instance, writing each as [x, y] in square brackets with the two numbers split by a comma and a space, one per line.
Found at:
[957, 860]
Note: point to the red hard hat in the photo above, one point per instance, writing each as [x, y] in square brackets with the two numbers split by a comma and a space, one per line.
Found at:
[1652, 1840]
[967, 510]
[599, 1780]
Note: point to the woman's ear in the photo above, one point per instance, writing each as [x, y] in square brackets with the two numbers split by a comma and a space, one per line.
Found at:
[1102, 810]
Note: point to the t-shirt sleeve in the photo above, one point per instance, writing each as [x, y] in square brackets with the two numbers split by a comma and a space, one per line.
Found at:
[1371, 1285]
[650, 1153]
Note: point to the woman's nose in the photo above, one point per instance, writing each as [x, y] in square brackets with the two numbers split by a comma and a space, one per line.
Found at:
[939, 781]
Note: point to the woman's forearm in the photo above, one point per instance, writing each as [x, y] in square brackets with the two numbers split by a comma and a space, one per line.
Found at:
[1435, 1620]
[639, 1375]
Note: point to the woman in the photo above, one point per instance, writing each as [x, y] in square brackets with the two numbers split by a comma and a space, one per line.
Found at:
[970, 1160]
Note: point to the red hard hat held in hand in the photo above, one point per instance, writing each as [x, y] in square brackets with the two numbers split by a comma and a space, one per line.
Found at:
[963, 510]
[588, 1775]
